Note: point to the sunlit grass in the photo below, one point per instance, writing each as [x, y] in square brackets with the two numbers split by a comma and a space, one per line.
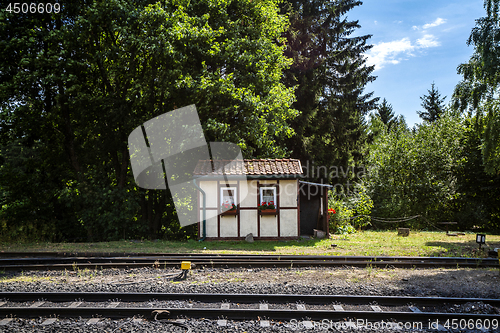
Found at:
[368, 243]
[23, 278]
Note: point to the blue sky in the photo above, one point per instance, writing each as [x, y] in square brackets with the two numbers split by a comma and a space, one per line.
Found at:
[415, 43]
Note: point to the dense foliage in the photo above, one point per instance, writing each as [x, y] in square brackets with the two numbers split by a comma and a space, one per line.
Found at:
[434, 171]
[278, 78]
[73, 86]
[411, 172]
[479, 89]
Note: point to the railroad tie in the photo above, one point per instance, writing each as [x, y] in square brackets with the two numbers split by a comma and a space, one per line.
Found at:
[36, 304]
[5, 321]
[49, 321]
[113, 305]
[308, 324]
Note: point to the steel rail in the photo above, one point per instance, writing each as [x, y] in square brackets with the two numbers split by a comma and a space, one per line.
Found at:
[247, 264]
[238, 314]
[210, 260]
[240, 298]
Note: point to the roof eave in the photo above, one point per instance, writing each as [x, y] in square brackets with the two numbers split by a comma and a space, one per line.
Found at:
[248, 177]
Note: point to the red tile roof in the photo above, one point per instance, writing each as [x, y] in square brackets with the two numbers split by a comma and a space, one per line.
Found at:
[255, 167]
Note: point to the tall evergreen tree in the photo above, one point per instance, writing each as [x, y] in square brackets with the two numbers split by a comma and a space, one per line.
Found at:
[479, 89]
[330, 74]
[386, 114]
[433, 105]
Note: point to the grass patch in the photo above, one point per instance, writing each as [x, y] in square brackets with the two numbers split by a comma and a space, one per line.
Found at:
[367, 243]
[24, 278]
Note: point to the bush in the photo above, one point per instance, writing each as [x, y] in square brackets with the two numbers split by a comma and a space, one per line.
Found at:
[346, 218]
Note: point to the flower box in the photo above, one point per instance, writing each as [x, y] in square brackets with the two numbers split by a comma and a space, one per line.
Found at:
[230, 212]
[267, 212]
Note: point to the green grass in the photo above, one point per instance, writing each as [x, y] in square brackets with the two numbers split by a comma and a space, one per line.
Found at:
[367, 243]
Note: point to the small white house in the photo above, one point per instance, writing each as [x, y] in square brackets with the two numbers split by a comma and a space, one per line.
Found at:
[258, 196]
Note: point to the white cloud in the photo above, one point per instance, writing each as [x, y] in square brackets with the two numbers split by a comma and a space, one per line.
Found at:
[426, 26]
[387, 52]
[437, 22]
[428, 41]
[393, 52]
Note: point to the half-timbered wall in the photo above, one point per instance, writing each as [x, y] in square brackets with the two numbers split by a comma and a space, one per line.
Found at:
[283, 225]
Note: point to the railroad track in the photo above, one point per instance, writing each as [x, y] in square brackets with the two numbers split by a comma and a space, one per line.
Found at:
[295, 309]
[61, 261]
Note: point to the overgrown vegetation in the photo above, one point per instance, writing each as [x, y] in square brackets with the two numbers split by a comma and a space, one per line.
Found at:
[278, 78]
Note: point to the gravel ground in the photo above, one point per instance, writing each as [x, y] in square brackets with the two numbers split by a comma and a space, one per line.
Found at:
[341, 281]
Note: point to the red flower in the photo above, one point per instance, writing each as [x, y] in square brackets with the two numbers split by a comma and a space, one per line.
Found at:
[331, 210]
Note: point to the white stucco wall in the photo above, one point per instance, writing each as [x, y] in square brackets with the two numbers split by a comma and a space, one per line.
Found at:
[268, 226]
[248, 222]
[250, 188]
[288, 223]
[211, 223]
[288, 193]
[228, 226]
[210, 188]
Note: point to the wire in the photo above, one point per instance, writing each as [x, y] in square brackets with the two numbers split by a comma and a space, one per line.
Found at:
[393, 220]
[382, 219]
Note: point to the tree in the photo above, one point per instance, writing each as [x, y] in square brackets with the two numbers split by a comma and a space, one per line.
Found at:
[411, 173]
[75, 84]
[386, 114]
[478, 91]
[477, 201]
[330, 74]
[433, 105]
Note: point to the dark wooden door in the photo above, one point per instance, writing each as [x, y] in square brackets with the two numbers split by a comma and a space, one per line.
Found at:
[310, 204]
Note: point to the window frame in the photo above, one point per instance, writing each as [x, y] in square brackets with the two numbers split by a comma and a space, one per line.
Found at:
[262, 188]
[235, 196]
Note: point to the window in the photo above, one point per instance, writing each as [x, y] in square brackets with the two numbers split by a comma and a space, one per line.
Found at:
[268, 195]
[228, 198]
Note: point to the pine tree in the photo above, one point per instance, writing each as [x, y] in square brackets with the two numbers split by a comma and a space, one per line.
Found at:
[386, 114]
[330, 74]
[433, 105]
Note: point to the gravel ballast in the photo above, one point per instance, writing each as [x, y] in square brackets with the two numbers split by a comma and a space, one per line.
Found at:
[481, 283]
